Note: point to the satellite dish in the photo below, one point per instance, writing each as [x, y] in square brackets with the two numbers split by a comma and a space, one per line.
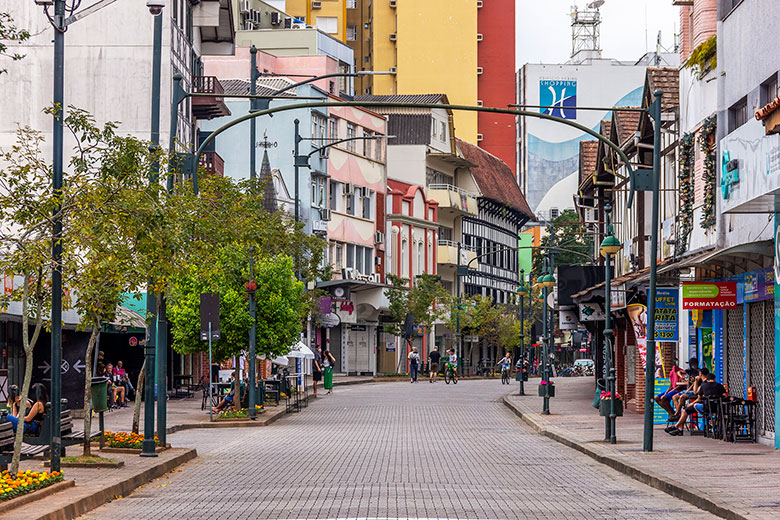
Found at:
[595, 4]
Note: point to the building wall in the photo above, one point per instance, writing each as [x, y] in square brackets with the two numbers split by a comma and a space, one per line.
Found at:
[432, 46]
[496, 84]
[331, 9]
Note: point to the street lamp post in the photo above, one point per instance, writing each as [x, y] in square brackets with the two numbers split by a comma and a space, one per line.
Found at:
[609, 247]
[547, 281]
[522, 291]
[252, 386]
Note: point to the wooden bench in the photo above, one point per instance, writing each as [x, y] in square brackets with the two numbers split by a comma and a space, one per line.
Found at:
[7, 438]
[68, 436]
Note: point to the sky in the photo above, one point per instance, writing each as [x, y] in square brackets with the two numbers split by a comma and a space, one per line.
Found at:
[543, 28]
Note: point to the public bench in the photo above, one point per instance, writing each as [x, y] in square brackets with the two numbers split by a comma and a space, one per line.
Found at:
[7, 438]
[68, 436]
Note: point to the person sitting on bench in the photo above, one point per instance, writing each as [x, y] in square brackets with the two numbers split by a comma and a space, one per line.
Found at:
[677, 383]
[228, 399]
[34, 417]
[709, 388]
[116, 388]
[696, 377]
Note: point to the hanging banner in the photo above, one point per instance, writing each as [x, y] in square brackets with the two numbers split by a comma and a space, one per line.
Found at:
[617, 297]
[707, 350]
[666, 312]
[709, 295]
[567, 319]
[592, 312]
[637, 313]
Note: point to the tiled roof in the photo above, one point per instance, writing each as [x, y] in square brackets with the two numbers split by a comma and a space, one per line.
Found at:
[626, 124]
[241, 86]
[767, 110]
[588, 154]
[405, 98]
[495, 179]
[668, 80]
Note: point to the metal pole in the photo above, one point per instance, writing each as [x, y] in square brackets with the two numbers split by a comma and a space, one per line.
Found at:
[252, 386]
[610, 373]
[297, 193]
[56, 272]
[545, 354]
[522, 335]
[655, 113]
[211, 379]
[457, 316]
[148, 445]
[162, 369]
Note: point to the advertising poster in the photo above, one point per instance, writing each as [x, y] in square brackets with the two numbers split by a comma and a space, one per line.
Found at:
[637, 313]
[666, 312]
[558, 97]
[659, 414]
[709, 295]
[707, 350]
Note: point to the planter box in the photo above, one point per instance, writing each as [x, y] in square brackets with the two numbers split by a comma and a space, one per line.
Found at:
[551, 390]
[604, 406]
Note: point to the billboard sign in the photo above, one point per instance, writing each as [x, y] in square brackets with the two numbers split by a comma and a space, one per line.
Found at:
[558, 97]
[709, 295]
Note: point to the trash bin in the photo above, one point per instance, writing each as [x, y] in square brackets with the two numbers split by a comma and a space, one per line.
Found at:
[601, 386]
[99, 394]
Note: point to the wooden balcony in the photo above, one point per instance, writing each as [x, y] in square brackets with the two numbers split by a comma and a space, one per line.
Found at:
[208, 107]
[212, 163]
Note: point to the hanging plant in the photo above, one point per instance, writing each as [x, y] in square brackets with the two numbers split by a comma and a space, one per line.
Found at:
[703, 58]
[685, 178]
[707, 143]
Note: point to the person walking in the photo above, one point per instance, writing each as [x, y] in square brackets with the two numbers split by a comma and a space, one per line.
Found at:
[316, 368]
[434, 357]
[327, 370]
[414, 364]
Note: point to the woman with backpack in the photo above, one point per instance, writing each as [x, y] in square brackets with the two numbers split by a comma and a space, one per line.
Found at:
[414, 363]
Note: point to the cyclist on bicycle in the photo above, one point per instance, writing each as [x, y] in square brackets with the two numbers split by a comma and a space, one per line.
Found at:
[506, 362]
[453, 361]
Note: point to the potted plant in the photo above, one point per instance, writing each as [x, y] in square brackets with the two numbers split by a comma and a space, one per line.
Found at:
[251, 286]
[605, 404]
[549, 386]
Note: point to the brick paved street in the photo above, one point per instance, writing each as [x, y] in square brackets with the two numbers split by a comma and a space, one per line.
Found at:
[393, 450]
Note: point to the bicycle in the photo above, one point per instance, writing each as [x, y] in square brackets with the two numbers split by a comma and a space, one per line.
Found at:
[450, 374]
[505, 375]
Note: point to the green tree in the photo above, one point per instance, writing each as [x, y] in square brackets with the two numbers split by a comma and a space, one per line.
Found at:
[9, 32]
[575, 245]
[26, 209]
[398, 303]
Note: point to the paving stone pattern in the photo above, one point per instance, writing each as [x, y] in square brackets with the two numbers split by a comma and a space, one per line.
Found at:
[393, 450]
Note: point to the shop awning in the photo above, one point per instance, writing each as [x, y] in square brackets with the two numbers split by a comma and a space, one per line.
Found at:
[300, 350]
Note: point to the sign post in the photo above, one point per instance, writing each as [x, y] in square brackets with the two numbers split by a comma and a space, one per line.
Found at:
[209, 330]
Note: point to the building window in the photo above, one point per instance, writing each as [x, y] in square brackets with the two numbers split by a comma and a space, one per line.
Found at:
[769, 90]
[344, 68]
[437, 177]
[367, 143]
[378, 149]
[738, 114]
[350, 202]
[442, 131]
[553, 213]
[351, 4]
[333, 130]
[328, 24]
[351, 255]
[319, 192]
[368, 252]
[335, 190]
[404, 258]
[351, 33]
[318, 129]
[350, 135]
[339, 256]
[367, 205]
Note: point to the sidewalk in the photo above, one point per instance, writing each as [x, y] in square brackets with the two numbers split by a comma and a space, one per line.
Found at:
[735, 481]
[186, 413]
[94, 487]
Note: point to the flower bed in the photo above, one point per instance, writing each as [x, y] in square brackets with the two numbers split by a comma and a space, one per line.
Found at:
[242, 414]
[126, 440]
[12, 486]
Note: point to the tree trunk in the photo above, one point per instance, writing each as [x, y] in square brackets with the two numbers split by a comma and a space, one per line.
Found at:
[237, 385]
[139, 392]
[29, 345]
[88, 387]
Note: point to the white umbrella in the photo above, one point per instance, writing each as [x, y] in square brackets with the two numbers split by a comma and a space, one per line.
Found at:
[300, 350]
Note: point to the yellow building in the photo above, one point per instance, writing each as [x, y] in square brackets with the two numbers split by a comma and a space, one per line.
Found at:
[329, 16]
[432, 47]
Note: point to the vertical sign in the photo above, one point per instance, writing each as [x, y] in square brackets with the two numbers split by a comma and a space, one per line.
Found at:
[209, 314]
[666, 312]
[559, 97]
[659, 414]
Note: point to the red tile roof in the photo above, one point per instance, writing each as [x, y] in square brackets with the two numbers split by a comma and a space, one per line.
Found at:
[767, 110]
[495, 178]
[626, 124]
[668, 80]
[588, 154]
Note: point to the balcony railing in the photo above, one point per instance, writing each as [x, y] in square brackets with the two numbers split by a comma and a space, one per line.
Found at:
[455, 244]
[212, 163]
[450, 187]
[454, 199]
[208, 107]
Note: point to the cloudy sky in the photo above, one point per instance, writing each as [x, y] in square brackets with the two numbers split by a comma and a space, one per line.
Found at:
[544, 28]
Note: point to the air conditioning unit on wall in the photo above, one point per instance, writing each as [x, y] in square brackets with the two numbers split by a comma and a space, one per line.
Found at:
[245, 6]
[379, 238]
[316, 5]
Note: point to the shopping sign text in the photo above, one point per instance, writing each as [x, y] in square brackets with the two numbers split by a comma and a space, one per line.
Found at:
[709, 295]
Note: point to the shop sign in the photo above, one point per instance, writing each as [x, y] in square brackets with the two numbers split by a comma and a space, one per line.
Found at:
[8, 283]
[347, 306]
[709, 295]
[758, 285]
[471, 339]
[567, 319]
[329, 320]
[666, 312]
[592, 312]
[320, 226]
[358, 328]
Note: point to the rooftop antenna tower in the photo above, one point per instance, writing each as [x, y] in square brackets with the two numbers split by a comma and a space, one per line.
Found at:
[586, 31]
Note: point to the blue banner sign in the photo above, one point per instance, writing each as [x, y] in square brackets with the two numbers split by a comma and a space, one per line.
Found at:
[666, 313]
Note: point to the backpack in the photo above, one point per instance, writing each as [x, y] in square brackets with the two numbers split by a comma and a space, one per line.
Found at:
[414, 358]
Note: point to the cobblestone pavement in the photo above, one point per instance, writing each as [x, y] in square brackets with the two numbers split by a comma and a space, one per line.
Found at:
[393, 450]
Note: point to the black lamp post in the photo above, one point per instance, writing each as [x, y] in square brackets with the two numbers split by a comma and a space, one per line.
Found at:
[547, 281]
[522, 291]
[609, 247]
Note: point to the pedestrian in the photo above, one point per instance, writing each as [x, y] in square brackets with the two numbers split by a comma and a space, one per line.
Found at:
[327, 370]
[434, 356]
[414, 363]
[316, 372]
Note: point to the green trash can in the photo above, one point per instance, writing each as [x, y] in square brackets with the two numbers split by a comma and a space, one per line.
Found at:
[99, 394]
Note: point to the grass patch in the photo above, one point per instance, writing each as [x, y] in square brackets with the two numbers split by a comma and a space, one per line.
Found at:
[92, 459]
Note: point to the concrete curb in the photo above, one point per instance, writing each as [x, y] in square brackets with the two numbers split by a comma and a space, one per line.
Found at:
[121, 488]
[618, 462]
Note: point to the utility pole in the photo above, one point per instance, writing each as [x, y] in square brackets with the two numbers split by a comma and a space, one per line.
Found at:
[252, 304]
